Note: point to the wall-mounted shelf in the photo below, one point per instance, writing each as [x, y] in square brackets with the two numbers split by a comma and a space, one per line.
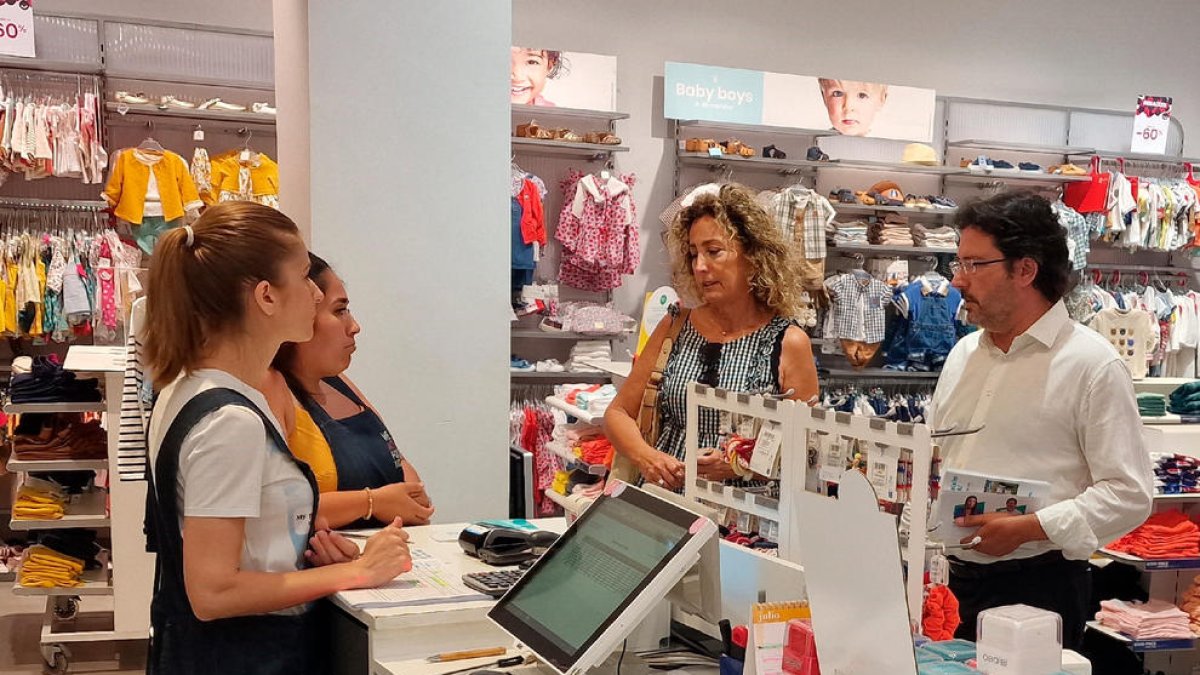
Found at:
[1136, 157]
[879, 373]
[538, 334]
[208, 115]
[1031, 148]
[897, 167]
[755, 128]
[1162, 565]
[703, 159]
[540, 146]
[863, 208]
[532, 111]
[1018, 175]
[562, 377]
[883, 250]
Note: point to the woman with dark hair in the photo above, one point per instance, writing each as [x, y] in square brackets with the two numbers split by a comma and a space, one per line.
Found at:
[363, 477]
[233, 512]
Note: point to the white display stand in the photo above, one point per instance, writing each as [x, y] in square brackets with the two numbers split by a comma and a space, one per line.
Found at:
[132, 577]
[856, 581]
[797, 421]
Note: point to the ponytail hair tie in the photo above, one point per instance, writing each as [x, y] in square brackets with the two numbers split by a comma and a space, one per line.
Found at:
[191, 235]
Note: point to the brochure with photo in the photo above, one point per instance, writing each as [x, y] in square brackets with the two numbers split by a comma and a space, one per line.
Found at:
[960, 514]
[961, 480]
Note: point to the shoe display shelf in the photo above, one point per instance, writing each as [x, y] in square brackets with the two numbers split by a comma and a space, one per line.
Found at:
[119, 511]
[206, 115]
[578, 120]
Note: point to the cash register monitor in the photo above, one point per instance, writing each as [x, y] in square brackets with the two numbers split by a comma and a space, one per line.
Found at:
[699, 592]
[605, 574]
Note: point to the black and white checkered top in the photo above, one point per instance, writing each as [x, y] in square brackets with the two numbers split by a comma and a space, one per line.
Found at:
[747, 364]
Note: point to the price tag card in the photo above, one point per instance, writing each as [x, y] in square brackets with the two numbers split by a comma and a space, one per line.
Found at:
[1150, 123]
[833, 458]
[765, 460]
[882, 462]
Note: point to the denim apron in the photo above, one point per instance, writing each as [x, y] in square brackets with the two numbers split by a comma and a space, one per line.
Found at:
[180, 643]
[364, 452]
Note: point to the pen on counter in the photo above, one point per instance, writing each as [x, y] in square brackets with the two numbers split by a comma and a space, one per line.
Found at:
[468, 654]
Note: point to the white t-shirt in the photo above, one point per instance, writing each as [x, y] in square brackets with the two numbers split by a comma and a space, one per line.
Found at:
[229, 468]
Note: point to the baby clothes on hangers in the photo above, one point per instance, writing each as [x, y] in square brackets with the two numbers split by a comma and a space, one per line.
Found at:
[928, 326]
[598, 229]
[252, 179]
[130, 179]
[858, 314]
[1131, 332]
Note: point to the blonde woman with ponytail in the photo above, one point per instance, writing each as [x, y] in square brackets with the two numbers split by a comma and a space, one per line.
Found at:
[233, 513]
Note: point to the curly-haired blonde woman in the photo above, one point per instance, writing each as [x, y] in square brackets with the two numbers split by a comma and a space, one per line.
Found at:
[733, 264]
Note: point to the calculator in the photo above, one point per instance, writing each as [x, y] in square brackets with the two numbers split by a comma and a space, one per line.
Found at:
[495, 583]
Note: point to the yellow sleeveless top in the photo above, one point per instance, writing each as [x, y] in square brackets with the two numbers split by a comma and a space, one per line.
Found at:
[308, 445]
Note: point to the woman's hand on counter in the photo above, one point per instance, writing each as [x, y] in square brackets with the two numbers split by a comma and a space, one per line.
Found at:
[385, 557]
[407, 501]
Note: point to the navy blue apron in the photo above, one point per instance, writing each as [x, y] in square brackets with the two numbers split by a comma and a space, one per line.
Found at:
[364, 452]
[181, 644]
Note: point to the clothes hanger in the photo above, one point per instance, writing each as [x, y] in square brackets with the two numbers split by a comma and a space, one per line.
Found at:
[247, 154]
[149, 143]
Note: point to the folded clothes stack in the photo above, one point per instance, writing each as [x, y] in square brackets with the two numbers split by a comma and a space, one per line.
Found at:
[588, 350]
[1175, 474]
[848, 233]
[46, 568]
[1164, 535]
[1185, 400]
[594, 398]
[47, 382]
[1152, 405]
[892, 231]
[43, 437]
[1190, 603]
[1152, 620]
[39, 499]
[59, 559]
[935, 237]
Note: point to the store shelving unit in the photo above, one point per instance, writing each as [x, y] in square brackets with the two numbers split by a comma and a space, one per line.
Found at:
[1027, 148]
[563, 377]
[574, 411]
[907, 210]
[1142, 646]
[1161, 565]
[885, 250]
[540, 146]
[207, 115]
[119, 511]
[880, 373]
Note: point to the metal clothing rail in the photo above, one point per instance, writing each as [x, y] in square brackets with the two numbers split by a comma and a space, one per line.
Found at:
[1160, 269]
[52, 204]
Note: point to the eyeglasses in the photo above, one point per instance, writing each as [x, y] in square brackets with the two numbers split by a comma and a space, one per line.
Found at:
[710, 360]
[968, 266]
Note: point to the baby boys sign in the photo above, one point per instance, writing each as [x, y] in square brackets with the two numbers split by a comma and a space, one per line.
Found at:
[713, 93]
[823, 104]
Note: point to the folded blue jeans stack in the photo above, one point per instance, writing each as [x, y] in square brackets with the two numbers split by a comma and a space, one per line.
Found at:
[47, 382]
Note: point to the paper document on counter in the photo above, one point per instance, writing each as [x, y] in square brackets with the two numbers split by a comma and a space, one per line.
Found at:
[428, 583]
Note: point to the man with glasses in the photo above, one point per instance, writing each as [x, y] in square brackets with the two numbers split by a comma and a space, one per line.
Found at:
[1056, 404]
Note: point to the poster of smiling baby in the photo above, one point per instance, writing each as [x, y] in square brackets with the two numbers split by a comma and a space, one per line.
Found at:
[823, 104]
